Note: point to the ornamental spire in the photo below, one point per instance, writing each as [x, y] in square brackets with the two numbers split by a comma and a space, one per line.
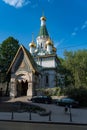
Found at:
[32, 37]
[32, 44]
[43, 29]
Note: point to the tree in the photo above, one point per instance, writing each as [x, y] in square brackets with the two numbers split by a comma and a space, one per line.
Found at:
[8, 49]
[66, 71]
[75, 70]
[75, 64]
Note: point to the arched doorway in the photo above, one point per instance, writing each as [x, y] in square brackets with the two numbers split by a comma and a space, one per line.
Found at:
[22, 88]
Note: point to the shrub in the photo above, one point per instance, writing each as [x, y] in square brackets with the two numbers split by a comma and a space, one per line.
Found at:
[79, 94]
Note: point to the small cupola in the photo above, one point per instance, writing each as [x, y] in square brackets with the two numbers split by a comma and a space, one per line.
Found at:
[32, 46]
[49, 45]
[49, 42]
[54, 49]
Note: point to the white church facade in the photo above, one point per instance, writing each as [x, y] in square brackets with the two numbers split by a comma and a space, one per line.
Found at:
[34, 68]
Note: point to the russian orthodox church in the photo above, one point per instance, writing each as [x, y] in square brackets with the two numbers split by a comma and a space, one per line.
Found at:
[36, 68]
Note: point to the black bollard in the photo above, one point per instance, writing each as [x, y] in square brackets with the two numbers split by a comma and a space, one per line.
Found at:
[70, 117]
[30, 115]
[70, 113]
[12, 115]
[50, 116]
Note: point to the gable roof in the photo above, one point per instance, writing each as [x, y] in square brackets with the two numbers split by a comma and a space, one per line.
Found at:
[32, 63]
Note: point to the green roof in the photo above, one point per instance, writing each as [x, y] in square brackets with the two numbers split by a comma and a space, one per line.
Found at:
[43, 31]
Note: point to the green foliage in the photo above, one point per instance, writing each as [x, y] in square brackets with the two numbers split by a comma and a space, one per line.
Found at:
[57, 91]
[79, 94]
[8, 49]
[75, 68]
[2, 77]
[31, 107]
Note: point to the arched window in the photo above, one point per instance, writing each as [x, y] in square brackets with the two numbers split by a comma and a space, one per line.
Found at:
[47, 79]
[41, 45]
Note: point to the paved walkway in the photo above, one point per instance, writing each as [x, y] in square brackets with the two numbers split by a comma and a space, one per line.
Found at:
[57, 115]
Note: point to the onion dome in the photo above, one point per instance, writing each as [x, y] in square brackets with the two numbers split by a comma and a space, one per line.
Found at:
[32, 44]
[49, 42]
[43, 30]
[54, 49]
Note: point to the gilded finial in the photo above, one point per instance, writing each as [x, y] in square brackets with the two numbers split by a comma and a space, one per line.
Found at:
[43, 17]
[32, 44]
[42, 12]
[32, 37]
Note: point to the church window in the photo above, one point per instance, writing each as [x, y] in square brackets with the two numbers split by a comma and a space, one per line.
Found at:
[41, 45]
[41, 59]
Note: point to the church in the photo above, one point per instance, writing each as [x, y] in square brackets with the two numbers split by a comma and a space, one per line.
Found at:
[36, 67]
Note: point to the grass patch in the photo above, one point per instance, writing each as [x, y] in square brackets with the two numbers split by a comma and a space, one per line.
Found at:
[19, 106]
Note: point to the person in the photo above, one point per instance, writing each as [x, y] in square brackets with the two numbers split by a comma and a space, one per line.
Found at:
[66, 109]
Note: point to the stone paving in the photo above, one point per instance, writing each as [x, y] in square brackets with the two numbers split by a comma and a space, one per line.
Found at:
[57, 115]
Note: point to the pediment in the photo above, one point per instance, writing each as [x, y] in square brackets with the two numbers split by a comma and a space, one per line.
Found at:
[23, 61]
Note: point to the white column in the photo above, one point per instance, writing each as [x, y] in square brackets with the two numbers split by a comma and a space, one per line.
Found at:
[30, 90]
[13, 91]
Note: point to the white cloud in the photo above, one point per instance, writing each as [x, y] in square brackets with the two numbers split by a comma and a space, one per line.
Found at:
[57, 43]
[17, 3]
[74, 33]
[76, 29]
[84, 25]
[61, 41]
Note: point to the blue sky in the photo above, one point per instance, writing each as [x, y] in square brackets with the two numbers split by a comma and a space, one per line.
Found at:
[66, 22]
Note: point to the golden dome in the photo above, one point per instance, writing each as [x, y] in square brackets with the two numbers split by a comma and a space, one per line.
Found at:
[54, 49]
[32, 44]
[49, 42]
[43, 18]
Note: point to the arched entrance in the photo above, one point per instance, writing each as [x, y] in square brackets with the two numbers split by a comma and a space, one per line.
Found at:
[22, 88]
